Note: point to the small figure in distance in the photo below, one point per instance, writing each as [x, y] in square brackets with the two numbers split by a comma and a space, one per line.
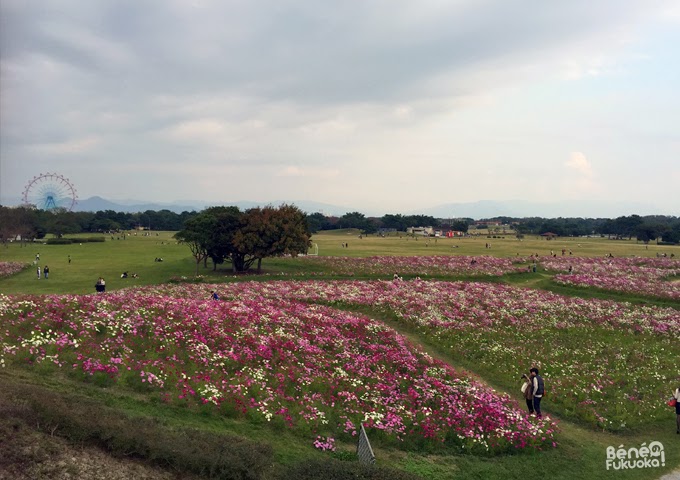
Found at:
[676, 396]
[214, 295]
[124, 275]
[46, 271]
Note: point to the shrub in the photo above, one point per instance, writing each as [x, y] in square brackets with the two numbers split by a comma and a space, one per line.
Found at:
[59, 241]
[85, 421]
[93, 239]
[330, 469]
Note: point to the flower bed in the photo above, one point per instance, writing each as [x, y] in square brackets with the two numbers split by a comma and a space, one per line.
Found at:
[608, 363]
[10, 268]
[645, 276]
[312, 368]
[421, 265]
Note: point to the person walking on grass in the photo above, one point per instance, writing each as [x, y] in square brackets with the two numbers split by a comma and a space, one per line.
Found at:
[46, 271]
[38, 272]
[528, 391]
[538, 390]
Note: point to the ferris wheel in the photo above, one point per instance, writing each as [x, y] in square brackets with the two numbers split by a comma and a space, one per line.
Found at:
[49, 191]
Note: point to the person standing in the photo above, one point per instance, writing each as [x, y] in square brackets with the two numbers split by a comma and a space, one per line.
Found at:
[538, 390]
[676, 396]
[69, 259]
[46, 271]
[38, 272]
[528, 391]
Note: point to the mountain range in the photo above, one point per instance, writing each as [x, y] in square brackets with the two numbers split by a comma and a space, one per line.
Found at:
[476, 210]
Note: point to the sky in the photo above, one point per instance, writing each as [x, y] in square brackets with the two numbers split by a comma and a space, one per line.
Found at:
[385, 106]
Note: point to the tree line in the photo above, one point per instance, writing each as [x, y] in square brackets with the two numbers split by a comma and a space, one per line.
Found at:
[31, 223]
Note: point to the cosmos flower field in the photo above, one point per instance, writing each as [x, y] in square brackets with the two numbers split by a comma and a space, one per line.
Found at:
[421, 265]
[10, 268]
[297, 355]
[608, 364]
[644, 276]
[311, 368]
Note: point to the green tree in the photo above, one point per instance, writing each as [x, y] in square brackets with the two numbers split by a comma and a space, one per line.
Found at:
[60, 222]
[316, 222]
[649, 231]
[196, 235]
[270, 232]
[460, 226]
[352, 220]
[223, 222]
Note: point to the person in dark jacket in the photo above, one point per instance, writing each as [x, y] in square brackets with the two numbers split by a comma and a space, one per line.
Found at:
[676, 396]
[538, 390]
[528, 391]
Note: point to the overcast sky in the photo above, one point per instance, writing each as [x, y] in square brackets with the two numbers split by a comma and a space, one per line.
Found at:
[386, 106]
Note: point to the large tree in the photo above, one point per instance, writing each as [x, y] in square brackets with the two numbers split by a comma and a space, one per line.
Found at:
[270, 232]
[19, 222]
[196, 235]
[226, 233]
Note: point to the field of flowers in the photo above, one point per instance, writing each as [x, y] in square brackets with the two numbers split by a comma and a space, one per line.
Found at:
[10, 268]
[645, 276]
[420, 265]
[610, 364]
[268, 358]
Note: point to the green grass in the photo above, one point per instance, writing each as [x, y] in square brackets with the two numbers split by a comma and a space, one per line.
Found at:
[581, 451]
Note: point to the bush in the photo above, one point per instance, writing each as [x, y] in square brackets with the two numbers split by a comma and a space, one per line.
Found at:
[93, 239]
[59, 241]
[84, 421]
[336, 470]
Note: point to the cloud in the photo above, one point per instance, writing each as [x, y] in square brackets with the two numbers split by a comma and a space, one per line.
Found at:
[580, 178]
[314, 172]
[579, 163]
[293, 91]
[75, 146]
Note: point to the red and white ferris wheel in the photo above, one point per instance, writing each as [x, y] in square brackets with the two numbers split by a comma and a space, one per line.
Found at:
[49, 191]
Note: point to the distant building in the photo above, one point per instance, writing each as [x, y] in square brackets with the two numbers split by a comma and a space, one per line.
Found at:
[424, 231]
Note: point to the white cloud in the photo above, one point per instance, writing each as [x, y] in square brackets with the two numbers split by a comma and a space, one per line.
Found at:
[313, 172]
[579, 163]
[580, 178]
[75, 146]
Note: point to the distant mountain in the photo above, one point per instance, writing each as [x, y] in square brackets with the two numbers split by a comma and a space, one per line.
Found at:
[476, 210]
[94, 204]
[521, 208]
